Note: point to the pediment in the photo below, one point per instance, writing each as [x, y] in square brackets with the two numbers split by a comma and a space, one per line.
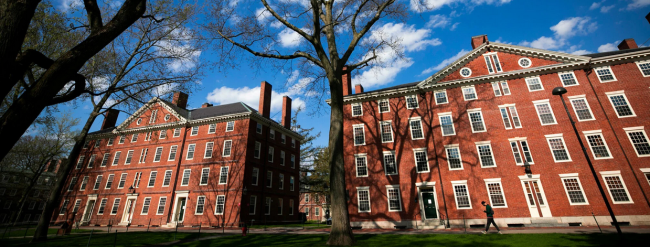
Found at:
[154, 113]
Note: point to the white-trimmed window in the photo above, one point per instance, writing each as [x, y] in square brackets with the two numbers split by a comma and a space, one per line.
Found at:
[145, 206]
[109, 181]
[386, 130]
[359, 134]
[293, 143]
[252, 205]
[495, 192]
[492, 62]
[223, 175]
[167, 179]
[453, 157]
[62, 211]
[158, 155]
[581, 108]
[161, 205]
[485, 154]
[152, 179]
[441, 97]
[384, 105]
[469, 93]
[573, 189]
[162, 134]
[476, 120]
[461, 194]
[105, 160]
[509, 116]
[259, 128]
[361, 164]
[255, 176]
[412, 102]
[363, 197]
[147, 137]
[505, 87]
[269, 179]
[212, 128]
[568, 78]
[616, 187]
[394, 198]
[205, 175]
[283, 138]
[200, 205]
[416, 128]
[644, 66]
[122, 139]
[597, 144]
[497, 89]
[465, 72]
[195, 131]
[272, 134]
[521, 151]
[227, 148]
[390, 165]
[446, 124]
[293, 161]
[544, 112]
[172, 153]
[152, 119]
[421, 160]
[102, 206]
[84, 182]
[639, 140]
[110, 141]
[291, 183]
[143, 155]
[605, 74]
[116, 206]
[177, 132]
[80, 162]
[524, 62]
[258, 150]
[357, 110]
[73, 182]
[190, 151]
[209, 147]
[91, 162]
[221, 205]
[116, 158]
[134, 137]
[621, 104]
[534, 84]
[122, 182]
[186, 177]
[98, 182]
[230, 126]
[558, 148]
[270, 155]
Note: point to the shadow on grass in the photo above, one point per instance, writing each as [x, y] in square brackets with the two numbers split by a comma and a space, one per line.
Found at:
[123, 239]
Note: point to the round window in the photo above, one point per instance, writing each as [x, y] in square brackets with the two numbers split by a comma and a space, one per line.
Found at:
[139, 121]
[465, 72]
[167, 117]
[524, 62]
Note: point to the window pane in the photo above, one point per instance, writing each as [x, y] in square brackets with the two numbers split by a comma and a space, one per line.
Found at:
[462, 197]
[386, 132]
[605, 74]
[640, 142]
[447, 125]
[416, 129]
[573, 189]
[545, 114]
[598, 146]
[496, 195]
[617, 189]
[621, 105]
[559, 151]
[645, 68]
[389, 162]
[394, 200]
[485, 154]
[362, 169]
[534, 84]
[582, 109]
[441, 97]
[453, 157]
[469, 93]
[568, 79]
[477, 121]
[422, 165]
[364, 201]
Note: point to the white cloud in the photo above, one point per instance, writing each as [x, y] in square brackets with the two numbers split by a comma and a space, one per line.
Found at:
[608, 47]
[444, 63]
[581, 52]
[67, 5]
[596, 5]
[412, 39]
[546, 43]
[251, 96]
[635, 4]
[186, 56]
[574, 26]
[606, 9]
[289, 38]
[431, 5]
[381, 75]
[263, 15]
[436, 21]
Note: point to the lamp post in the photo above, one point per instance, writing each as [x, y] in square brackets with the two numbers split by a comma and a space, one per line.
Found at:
[131, 191]
[560, 91]
[527, 170]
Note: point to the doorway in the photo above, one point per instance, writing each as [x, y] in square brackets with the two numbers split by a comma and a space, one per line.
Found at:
[180, 215]
[88, 212]
[428, 200]
[128, 211]
[535, 197]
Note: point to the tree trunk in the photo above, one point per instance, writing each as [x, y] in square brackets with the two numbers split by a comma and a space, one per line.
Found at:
[341, 232]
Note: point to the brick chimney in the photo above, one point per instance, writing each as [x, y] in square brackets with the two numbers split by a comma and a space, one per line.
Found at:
[358, 89]
[180, 99]
[110, 118]
[627, 44]
[206, 105]
[265, 99]
[286, 112]
[479, 40]
[346, 79]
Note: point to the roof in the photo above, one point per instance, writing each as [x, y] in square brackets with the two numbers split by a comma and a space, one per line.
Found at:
[220, 110]
[393, 87]
[610, 53]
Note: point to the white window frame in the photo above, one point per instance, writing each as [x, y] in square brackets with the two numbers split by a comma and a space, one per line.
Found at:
[478, 152]
[121, 185]
[209, 149]
[639, 63]
[491, 65]
[365, 188]
[637, 129]
[559, 74]
[151, 176]
[573, 176]
[469, 112]
[223, 205]
[417, 102]
[496, 89]
[445, 114]
[415, 159]
[556, 136]
[177, 132]
[212, 128]
[227, 143]
[164, 205]
[462, 90]
[508, 108]
[385, 164]
[189, 176]
[610, 71]
[147, 205]
[575, 110]
[356, 168]
[598, 133]
[196, 207]
[619, 93]
[541, 84]
[165, 178]
[201, 183]
[158, 155]
[110, 179]
[84, 183]
[381, 131]
[469, 199]
[230, 126]
[444, 91]
[503, 193]
[106, 157]
[379, 105]
[257, 151]
[118, 201]
[194, 131]
[269, 179]
[187, 155]
[162, 134]
[271, 154]
[102, 206]
[604, 174]
[411, 127]
[256, 172]
[98, 182]
[272, 134]
[521, 151]
[259, 128]
[453, 146]
[221, 173]
[254, 205]
[399, 197]
[116, 158]
[354, 134]
[539, 116]
[175, 152]
[501, 83]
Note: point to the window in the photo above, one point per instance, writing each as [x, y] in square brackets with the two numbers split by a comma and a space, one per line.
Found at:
[390, 165]
[122, 182]
[521, 151]
[223, 176]
[492, 62]
[293, 161]
[453, 157]
[476, 120]
[272, 134]
[221, 203]
[227, 148]
[469, 93]
[644, 66]
[465, 72]
[293, 143]
[446, 124]
[134, 137]
[162, 135]
[205, 174]
[91, 162]
[581, 108]
[145, 206]
[109, 181]
[110, 141]
[281, 181]
[416, 128]
[290, 206]
[256, 174]
[639, 140]
[412, 102]
[195, 131]
[597, 144]
[534, 84]
[122, 139]
[190, 152]
[80, 162]
[64, 207]
[208, 150]
[102, 206]
[496, 89]
[505, 87]
[116, 205]
[291, 183]
[558, 148]
[200, 205]
[363, 196]
[172, 153]
[152, 178]
[306, 211]
[161, 205]
[573, 189]
[267, 206]
[73, 182]
[230, 126]
[421, 160]
[129, 157]
[251, 205]
[394, 198]
[568, 78]
[605, 74]
[386, 130]
[98, 182]
[282, 155]
[147, 137]
[212, 128]
[485, 154]
[524, 62]
[97, 142]
[356, 109]
[461, 194]
[270, 155]
[621, 104]
[77, 204]
[152, 119]
[167, 179]
[86, 144]
[497, 199]
[359, 134]
[258, 129]
[143, 155]
[156, 158]
[441, 97]
[362, 165]
[186, 177]
[616, 187]
[105, 160]
[258, 150]
[544, 112]
[269, 179]
[384, 105]
[283, 138]
[306, 197]
[177, 132]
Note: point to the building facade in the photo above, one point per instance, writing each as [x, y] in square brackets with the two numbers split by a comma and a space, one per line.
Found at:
[427, 153]
[313, 205]
[16, 183]
[167, 165]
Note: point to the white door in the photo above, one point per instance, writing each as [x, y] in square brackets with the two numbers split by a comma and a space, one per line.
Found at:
[536, 199]
[128, 210]
[88, 213]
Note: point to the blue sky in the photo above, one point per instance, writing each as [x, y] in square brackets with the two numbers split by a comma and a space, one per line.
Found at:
[434, 38]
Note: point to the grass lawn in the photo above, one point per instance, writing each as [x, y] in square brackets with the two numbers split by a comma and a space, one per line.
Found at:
[473, 240]
[123, 239]
[19, 232]
[307, 225]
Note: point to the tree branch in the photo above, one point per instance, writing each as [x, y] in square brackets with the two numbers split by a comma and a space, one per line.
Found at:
[94, 16]
[357, 37]
[362, 63]
[79, 88]
[286, 23]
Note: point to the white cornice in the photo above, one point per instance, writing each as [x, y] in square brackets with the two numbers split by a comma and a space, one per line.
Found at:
[146, 106]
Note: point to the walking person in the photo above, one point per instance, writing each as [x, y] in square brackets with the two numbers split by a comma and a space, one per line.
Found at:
[490, 217]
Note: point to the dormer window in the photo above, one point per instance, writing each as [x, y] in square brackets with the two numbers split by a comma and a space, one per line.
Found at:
[492, 62]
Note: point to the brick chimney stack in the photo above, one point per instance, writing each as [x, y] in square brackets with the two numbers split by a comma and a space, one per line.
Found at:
[479, 40]
[180, 99]
[265, 99]
[627, 44]
[346, 79]
[206, 105]
[286, 112]
[110, 118]
[358, 89]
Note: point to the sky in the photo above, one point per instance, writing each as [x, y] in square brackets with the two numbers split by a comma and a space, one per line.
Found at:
[432, 39]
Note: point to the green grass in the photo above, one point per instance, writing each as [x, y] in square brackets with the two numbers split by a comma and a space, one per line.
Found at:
[307, 225]
[123, 239]
[468, 240]
[20, 232]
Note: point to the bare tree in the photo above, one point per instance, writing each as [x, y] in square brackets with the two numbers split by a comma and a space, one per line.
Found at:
[334, 40]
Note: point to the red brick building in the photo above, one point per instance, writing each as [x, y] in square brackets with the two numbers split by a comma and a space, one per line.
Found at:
[429, 152]
[214, 166]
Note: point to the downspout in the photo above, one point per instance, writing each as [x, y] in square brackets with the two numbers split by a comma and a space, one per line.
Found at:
[178, 167]
[442, 188]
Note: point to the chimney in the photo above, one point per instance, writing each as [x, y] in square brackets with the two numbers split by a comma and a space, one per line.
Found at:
[206, 105]
[346, 79]
[180, 99]
[358, 89]
[110, 118]
[265, 99]
[479, 40]
[627, 44]
[286, 112]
